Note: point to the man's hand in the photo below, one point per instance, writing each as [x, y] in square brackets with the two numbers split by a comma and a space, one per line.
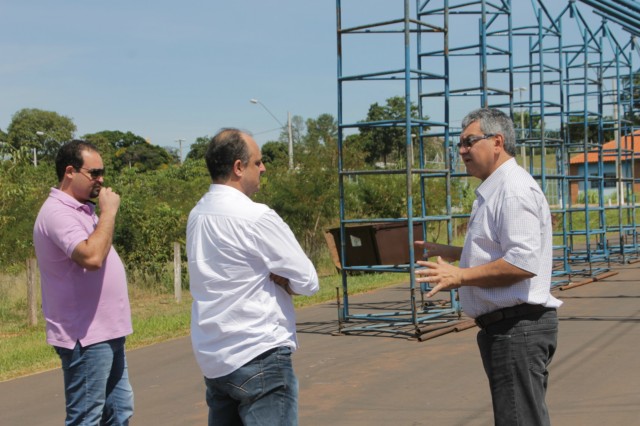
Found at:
[440, 275]
[108, 201]
[282, 282]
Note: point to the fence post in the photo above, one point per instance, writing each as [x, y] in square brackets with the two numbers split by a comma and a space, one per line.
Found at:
[31, 291]
[177, 272]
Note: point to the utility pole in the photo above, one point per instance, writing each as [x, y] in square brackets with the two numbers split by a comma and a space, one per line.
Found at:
[290, 141]
[523, 151]
[41, 136]
[289, 130]
[179, 141]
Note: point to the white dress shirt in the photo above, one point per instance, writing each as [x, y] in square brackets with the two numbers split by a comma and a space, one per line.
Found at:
[511, 220]
[238, 313]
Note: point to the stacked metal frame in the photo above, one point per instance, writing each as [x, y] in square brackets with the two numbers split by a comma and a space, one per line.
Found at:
[541, 134]
[411, 315]
[619, 154]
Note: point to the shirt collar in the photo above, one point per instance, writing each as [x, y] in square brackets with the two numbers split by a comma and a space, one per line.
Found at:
[219, 187]
[495, 179]
[68, 200]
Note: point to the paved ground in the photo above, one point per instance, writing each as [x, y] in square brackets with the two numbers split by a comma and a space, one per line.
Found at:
[381, 380]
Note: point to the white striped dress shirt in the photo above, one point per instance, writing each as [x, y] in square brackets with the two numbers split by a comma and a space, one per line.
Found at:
[511, 220]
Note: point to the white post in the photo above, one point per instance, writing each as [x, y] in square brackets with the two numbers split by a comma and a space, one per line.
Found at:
[31, 291]
[290, 141]
[177, 272]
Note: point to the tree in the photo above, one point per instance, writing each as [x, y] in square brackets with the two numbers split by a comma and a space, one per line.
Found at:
[576, 128]
[143, 157]
[44, 131]
[530, 122]
[126, 149]
[630, 95]
[118, 139]
[104, 145]
[275, 152]
[199, 148]
[322, 138]
[388, 136]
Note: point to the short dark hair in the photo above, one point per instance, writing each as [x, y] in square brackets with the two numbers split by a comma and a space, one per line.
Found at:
[494, 121]
[70, 154]
[227, 146]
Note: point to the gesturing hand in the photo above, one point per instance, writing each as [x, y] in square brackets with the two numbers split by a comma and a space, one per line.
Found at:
[440, 275]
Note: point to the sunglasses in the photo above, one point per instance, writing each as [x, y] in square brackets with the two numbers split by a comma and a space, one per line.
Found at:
[469, 141]
[94, 173]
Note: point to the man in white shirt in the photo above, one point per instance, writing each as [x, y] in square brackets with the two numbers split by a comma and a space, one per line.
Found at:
[504, 275]
[244, 266]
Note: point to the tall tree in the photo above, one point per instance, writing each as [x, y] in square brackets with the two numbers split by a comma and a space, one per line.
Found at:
[322, 138]
[118, 139]
[198, 149]
[388, 137]
[143, 157]
[44, 131]
[576, 129]
[275, 152]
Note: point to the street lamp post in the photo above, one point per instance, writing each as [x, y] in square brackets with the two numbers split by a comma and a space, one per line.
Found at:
[523, 152]
[35, 151]
[289, 131]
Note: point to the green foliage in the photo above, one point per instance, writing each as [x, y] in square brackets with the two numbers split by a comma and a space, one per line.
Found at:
[45, 131]
[388, 136]
[377, 196]
[276, 153]
[24, 188]
[306, 198]
[576, 129]
[592, 197]
[157, 195]
[524, 120]
[199, 148]
[153, 213]
[143, 157]
[118, 139]
[122, 150]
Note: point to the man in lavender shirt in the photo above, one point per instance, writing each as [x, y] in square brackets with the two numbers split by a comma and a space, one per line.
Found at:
[84, 289]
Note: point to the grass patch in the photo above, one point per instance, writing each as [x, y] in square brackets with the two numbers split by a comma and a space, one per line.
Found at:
[156, 316]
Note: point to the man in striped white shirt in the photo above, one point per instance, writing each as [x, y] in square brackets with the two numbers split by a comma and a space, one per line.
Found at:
[504, 274]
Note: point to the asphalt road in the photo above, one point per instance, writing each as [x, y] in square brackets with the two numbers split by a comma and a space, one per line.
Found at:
[382, 380]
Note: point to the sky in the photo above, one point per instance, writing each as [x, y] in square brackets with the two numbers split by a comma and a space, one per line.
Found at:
[169, 70]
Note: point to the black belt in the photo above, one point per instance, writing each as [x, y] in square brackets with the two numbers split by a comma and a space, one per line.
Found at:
[484, 321]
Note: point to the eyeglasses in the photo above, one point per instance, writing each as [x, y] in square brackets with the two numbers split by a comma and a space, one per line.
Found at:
[94, 173]
[469, 141]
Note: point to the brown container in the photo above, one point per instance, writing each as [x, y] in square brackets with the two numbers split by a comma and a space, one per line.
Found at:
[372, 245]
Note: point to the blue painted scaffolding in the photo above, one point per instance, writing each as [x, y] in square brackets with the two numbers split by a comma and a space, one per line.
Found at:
[567, 80]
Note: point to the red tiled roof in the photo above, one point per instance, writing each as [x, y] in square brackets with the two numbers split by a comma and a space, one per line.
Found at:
[610, 150]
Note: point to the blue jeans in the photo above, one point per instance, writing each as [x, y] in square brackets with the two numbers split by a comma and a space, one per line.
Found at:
[264, 391]
[96, 384]
[515, 354]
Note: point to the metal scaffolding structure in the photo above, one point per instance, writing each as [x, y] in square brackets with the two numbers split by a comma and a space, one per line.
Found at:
[562, 70]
